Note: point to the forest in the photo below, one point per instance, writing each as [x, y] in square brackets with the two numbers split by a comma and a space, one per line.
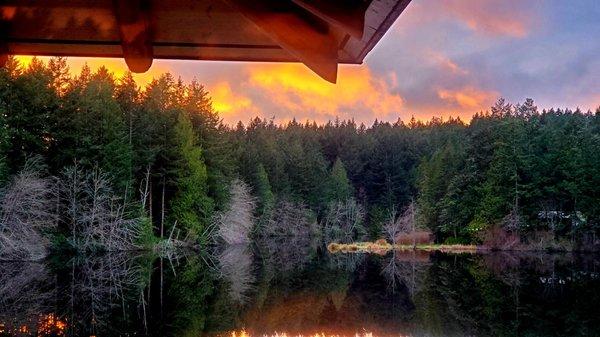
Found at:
[92, 162]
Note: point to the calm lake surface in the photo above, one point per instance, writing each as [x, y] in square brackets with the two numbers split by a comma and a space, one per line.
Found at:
[278, 291]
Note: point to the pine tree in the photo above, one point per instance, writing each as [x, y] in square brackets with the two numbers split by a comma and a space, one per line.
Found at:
[262, 189]
[340, 188]
[191, 206]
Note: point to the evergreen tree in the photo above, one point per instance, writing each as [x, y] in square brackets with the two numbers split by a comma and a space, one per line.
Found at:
[262, 189]
[191, 206]
[339, 188]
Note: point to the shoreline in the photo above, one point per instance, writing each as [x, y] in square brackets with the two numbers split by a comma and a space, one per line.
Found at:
[382, 247]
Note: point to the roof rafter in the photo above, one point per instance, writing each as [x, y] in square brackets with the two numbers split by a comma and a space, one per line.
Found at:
[133, 19]
[319, 33]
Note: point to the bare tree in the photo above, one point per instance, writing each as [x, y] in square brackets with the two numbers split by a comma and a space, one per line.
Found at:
[402, 224]
[512, 222]
[237, 221]
[27, 211]
[144, 190]
[288, 238]
[290, 219]
[344, 222]
[96, 216]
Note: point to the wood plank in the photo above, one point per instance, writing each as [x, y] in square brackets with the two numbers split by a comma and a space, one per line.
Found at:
[6, 14]
[347, 14]
[264, 30]
[310, 43]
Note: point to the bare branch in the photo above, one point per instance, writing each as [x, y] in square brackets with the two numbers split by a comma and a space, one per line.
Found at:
[27, 211]
[235, 224]
[344, 222]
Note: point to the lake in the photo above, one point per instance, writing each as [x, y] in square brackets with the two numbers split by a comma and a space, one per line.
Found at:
[284, 291]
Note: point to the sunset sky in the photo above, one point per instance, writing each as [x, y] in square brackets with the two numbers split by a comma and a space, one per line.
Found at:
[440, 58]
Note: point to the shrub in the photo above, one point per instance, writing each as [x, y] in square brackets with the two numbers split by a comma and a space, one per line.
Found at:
[498, 238]
[419, 238]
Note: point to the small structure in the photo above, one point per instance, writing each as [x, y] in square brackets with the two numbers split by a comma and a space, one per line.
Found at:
[318, 33]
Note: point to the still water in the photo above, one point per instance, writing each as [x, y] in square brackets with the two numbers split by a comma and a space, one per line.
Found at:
[257, 291]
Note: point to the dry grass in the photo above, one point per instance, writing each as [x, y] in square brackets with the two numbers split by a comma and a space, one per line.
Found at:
[382, 247]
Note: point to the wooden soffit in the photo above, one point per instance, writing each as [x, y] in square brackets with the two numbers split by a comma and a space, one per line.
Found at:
[319, 33]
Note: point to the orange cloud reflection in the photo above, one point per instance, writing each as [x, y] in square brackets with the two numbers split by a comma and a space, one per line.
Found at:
[243, 333]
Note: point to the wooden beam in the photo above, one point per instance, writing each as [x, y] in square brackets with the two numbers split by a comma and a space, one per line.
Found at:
[349, 15]
[3, 54]
[5, 17]
[307, 40]
[133, 19]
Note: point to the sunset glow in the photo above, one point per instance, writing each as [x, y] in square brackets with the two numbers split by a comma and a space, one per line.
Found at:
[442, 58]
[243, 333]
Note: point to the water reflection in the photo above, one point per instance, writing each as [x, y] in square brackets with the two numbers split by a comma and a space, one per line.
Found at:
[27, 291]
[236, 268]
[242, 291]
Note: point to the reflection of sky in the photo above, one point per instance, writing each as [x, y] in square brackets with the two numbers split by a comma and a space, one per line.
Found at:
[441, 57]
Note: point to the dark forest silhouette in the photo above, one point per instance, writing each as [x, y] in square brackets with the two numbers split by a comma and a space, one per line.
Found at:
[158, 162]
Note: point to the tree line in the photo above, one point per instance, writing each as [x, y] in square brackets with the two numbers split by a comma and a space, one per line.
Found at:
[172, 162]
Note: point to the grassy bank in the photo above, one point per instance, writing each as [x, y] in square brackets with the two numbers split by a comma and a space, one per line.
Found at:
[383, 247]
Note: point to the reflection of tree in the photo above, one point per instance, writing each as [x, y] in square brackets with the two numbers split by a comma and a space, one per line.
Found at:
[506, 267]
[406, 268]
[26, 292]
[346, 262]
[88, 296]
[288, 240]
[187, 301]
[80, 24]
[506, 294]
[236, 268]
[285, 254]
[101, 284]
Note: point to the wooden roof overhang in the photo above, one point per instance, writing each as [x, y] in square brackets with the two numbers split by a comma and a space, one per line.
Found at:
[319, 33]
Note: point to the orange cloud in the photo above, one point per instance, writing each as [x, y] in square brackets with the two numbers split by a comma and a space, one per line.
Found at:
[514, 18]
[231, 106]
[303, 94]
[496, 17]
[468, 98]
[447, 64]
[240, 91]
[116, 66]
